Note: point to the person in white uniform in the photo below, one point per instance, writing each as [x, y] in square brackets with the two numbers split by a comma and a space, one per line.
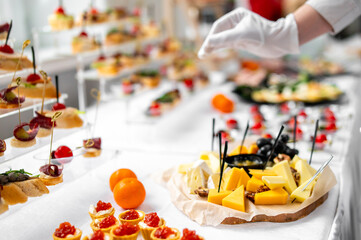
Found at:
[248, 31]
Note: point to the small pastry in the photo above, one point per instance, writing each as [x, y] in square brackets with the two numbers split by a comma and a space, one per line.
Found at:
[116, 13]
[150, 30]
[116, 36]
[168, 46]
[132, 216]
[93, 16]
[125, 231]
[98, 235]
[24, 135]
[69, 117]
[164, 103]
[127, 87]
[9, 59]
[151, 222]
[2, 147]
[165, 233]
[101, 210]
[67, 231]
[148, 78]
[59, 20]
[51, 174]
[190, 235]
[107, 66]
[9, 100]
[33, 87]
[104, 224]
[84, 43]
[92, 147]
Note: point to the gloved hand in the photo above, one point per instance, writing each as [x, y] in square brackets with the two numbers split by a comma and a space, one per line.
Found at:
[248, 31]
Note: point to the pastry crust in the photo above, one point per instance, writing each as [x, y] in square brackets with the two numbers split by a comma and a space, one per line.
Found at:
[150, 82]
[50, 181]
[4, 105]
[3, 206]
[68, 119]
[177, 235]
[43, 132]
[92, 152]
[8, 62]
[37, 92]
[22, 144]
[146, 232]
[133, 236]
[12, 194]
[104, 230]
[33, 187]
[76, 237]
[105, 235]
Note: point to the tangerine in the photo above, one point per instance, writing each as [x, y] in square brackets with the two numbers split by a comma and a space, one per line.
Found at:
[119, 175]
[222, 103]
[129, 193]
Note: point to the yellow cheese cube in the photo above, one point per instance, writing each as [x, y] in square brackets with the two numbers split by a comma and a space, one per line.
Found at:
[276, 196]
[303, 169]
[213, 162]
[300, 195]
[216, 197]
[274, 182]
[259, 173]
[296, 159]
[235, 200]
[283, 169]
[204, 155]
[234, 177]
[184, 167]
[238, 151]
[253, 184]
[253, 149]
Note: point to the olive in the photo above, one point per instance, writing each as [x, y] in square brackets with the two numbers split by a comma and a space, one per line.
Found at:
[263, 150]
[284, 138]
[280, 147]
[291, 152]
[273, 155]
[263, 141]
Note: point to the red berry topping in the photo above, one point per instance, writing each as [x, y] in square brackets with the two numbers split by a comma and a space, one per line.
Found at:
[135, 29]
[60, 10]
[190, 235]
[257, 117]
[93, 11]
[257, 125]
[267, 135]
[58, 106]
[163, 232]
[126, 229]
[83, 34]
[131, 215]
[33, 78]
[107, 222]
[154, 109]
[285, 108]
[97, 235]
[63, 152]
[328, 111]
[136, 12]
[232, 123]
[101, 58]
[188, 82]
[64, 230]
[291, 123]
[321, 138]
[302, 113]
[330, 118]
[152, 219]
[331, 126]
[254, 109]
[102, 206]
[6, 49]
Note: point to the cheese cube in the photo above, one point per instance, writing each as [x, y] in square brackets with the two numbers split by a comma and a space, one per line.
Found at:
[205, 168]
[283, 169]
[234, 177]
[216, 197]
[271, 197]
[238, 151]
[296, 159]
[204, 155]
[253, 184]
[303, 169]
[195, 179]
[253, 149]
[259, 173]
[300, 195]
[274, 182]
[235, 200]
[184, 167]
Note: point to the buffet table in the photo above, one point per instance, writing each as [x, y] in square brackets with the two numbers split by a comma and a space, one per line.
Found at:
[155, 146]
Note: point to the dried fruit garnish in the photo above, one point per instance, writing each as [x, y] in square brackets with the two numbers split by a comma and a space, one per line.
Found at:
[42, 120]
[25, 132]
[7, 95]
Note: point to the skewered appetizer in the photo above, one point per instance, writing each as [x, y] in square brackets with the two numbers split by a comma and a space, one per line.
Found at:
[59, 20]
[92, 16]
[4, 29]
[164, 103]
[125, 231]
[67, 231]
[51, 174]
[107, 66]
[120, 35]
[9, 59]
[92, 147]
[101, 210]
[148, 78]
[128, 87]
[165, 233]
[84, 43]
[200, 80]
[44, 124]
[150, 29]
[8, 99]
[18, 185]
[69, 117]
[24, 135]
[2, 147]
[33, 87]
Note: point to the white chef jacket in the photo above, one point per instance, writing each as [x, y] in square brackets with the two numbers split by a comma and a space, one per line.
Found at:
[338, 13]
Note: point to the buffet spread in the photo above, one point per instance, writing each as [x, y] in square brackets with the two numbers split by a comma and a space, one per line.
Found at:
[211, 158]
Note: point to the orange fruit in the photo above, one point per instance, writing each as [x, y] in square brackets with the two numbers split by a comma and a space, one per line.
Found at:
[222, 103]
[129, 193]
[120, 174]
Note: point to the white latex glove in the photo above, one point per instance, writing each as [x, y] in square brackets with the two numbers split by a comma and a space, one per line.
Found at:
[249, 31]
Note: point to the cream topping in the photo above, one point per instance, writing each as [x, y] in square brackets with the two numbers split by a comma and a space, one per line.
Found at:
[93, 211]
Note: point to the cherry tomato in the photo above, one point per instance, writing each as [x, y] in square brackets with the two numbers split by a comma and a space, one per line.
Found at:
[6, 49]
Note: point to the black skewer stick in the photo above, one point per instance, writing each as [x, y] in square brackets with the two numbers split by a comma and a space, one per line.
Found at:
[274, 146]
[313, 142]
[222, 166]
[34, 62]
[294, 131]
[220, 150]
[244, 136]
[7, 37]
[213, 134]
[57, 88]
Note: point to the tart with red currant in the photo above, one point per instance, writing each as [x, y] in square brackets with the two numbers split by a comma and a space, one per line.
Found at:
[131, 216]
[150, 222]
[104, 224]
[125, 231]
[101, 210]
[67, 231]
[165, 233]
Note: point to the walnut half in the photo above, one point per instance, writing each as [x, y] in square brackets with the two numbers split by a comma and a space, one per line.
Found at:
[202, 192]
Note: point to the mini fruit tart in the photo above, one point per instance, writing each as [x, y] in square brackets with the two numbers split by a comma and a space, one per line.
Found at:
[165, 233]
[67, 231]
[104, 224]
[98, 235]
[125, 231]
[132, 216]
[101, 210]
[151, 222]
[190, 235]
